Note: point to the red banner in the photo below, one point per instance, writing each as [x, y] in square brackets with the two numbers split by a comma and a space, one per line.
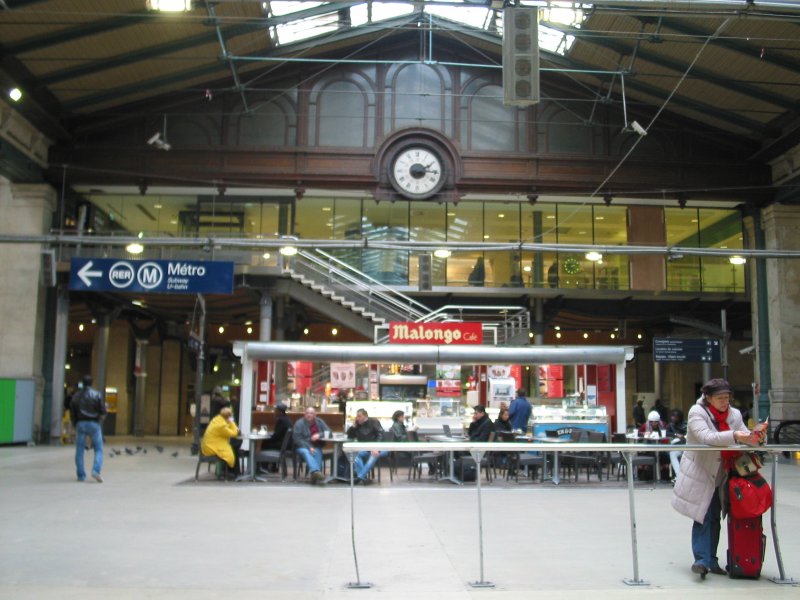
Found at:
[435, 333]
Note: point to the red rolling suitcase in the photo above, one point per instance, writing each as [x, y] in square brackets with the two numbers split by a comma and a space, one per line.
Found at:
[746, 546]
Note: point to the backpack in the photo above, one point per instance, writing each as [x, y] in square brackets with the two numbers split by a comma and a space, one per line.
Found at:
[749, 496]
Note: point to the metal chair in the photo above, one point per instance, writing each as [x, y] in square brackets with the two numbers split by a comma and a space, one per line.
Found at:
[486, 462]
[210, 460]
[432, 459]
[277, 457]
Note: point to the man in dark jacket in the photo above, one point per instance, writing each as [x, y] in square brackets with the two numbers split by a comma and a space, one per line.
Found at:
[481, 425]
[87, 411]
[365, 429]
[282, 425]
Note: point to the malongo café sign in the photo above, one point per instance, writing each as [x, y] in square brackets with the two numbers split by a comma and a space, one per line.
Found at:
[435, 333]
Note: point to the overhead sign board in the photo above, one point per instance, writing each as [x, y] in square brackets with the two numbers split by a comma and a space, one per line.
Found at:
[435, 333]
[151, 276]
[686, 350]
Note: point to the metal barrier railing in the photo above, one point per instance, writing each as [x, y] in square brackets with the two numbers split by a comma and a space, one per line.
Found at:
[477, 451]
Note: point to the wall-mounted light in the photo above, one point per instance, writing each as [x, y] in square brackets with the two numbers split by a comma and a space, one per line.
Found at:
[134, 248]
[594, 256]
[221, 329]
[249, 330]
[216, 368]
[305, 331]
[288, 251]
[558, 335]
[265, 256]
[15, 94]
[639, 336]
[334, 331]
[737, 260]
[81, 327]
[585, 336]
[442, 253]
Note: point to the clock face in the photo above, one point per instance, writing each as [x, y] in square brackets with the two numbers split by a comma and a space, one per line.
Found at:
[416, 172]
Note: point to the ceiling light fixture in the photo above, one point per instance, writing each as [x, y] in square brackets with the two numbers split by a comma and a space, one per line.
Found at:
[737, 260]
[134, 248]
[15, 94]
[170, 5]
[594, 256]
[442, 253]
[288, 251]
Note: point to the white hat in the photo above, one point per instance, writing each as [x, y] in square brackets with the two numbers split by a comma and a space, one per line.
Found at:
[654, 416]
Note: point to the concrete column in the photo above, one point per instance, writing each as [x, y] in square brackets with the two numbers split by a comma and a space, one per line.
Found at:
[781, 224]
[140, 373]
[59, 361]
[27, 209]
[265, 335]
[101, 351]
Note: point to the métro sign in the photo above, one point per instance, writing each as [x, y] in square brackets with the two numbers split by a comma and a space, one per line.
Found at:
[153, 276]
[686, 350]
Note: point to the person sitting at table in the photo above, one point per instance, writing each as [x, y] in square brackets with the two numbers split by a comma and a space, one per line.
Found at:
[282, 425]
[481, 425]
[503, 422]
[654, 428]
[676, 432]
[366, 429]
[398, 429]
[217, 439]
[307, 437]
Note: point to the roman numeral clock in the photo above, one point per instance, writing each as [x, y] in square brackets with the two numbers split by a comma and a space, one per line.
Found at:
[417, 171]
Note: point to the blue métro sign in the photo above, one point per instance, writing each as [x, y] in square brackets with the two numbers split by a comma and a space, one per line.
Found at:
[154, 276]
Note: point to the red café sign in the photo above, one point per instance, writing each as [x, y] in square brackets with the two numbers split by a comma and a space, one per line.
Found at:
[435, 333]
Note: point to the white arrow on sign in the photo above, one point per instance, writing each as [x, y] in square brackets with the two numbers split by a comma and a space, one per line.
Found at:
[86, 274]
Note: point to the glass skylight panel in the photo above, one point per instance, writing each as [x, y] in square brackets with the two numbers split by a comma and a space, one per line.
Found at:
[359, 15]
[476, 17]
[307, 28]
[286, 7]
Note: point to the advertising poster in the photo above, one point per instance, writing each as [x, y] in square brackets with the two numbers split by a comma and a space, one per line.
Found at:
[343, 375]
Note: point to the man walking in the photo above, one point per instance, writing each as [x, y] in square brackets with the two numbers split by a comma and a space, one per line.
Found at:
[520, 411]
[87, 411]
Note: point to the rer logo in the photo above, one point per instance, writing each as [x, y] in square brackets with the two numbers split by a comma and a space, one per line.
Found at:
[121, 274]
[150, 275]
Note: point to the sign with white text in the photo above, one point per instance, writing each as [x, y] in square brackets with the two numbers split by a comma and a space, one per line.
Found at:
[154, 276]
[435, 333]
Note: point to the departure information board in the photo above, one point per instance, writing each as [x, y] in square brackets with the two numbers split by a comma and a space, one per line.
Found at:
[692, 350]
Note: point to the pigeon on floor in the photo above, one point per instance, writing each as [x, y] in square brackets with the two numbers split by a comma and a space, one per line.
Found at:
[117, 452]
[175, 454]
[160, 449]
[129, 452]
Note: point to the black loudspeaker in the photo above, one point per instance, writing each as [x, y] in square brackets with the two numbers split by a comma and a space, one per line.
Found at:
[520, 56]
[425, 273]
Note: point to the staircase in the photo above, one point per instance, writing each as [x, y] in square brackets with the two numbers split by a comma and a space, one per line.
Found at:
[367, 305]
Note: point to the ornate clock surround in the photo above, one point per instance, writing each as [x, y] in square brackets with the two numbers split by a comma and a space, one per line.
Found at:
[393, 149]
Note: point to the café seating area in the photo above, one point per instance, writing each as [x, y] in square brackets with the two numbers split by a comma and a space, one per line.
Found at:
[436, 466]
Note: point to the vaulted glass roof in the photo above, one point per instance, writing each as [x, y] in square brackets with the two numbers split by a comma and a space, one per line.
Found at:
[312, 23]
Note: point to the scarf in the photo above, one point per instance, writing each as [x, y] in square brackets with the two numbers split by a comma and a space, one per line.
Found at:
[728, 456]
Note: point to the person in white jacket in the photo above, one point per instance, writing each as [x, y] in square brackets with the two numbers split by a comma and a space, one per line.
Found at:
[703, 475]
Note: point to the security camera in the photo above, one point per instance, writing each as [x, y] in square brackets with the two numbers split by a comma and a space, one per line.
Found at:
[156, 137]
[638, 128]
[747, 350]
[164, 146]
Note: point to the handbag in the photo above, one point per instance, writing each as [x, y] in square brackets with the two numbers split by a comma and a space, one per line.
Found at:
[747, 464]
[749, 496]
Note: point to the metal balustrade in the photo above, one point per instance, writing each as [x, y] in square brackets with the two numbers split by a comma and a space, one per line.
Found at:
[477, 451]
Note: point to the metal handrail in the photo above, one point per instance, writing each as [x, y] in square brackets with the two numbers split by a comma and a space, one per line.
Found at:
[477, 449]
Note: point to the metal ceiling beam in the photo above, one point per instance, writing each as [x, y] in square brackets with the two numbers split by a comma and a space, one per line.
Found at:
[759, 129]
[159, 50]
[745, 49]
[600, 39]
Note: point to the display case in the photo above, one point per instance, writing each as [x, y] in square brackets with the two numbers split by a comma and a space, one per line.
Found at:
[567, 417]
